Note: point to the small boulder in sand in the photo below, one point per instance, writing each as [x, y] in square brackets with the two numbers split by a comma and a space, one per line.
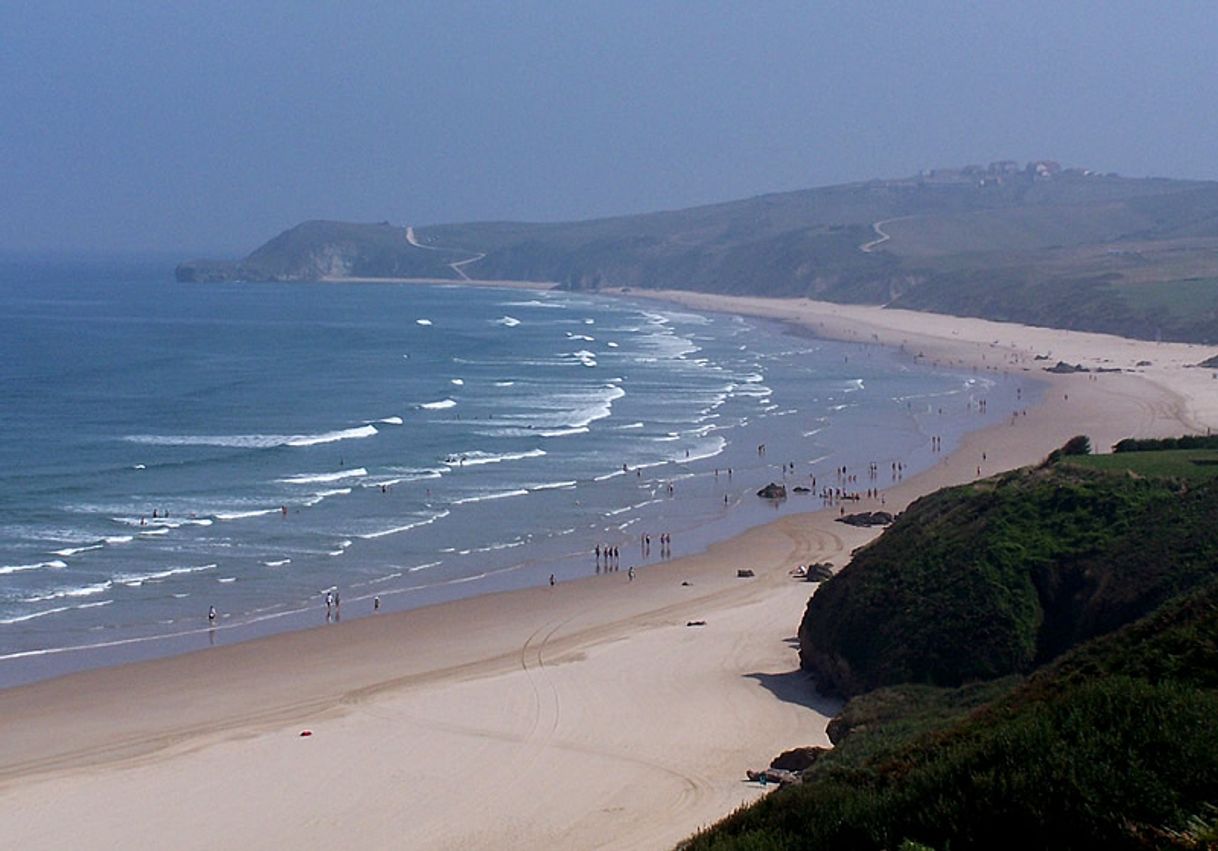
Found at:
[773, 491]
[797, 759]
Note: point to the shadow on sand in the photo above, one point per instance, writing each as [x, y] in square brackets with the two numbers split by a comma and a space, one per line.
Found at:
[799, 688]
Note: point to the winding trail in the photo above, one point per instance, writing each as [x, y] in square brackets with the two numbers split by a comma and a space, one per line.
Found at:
[868, 247]
[457, 266]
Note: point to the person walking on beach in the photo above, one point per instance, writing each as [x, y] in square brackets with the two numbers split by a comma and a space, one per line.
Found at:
[211, 615]
[551, 580]
[630, 573]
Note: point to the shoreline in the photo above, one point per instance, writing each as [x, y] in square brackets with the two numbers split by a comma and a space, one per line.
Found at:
[456, 282]
[503, 699]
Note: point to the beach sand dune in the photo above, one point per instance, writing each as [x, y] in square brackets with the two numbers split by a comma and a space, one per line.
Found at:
[587, 715]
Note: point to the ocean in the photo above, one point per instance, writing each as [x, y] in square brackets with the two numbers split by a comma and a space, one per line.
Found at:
[166, 448]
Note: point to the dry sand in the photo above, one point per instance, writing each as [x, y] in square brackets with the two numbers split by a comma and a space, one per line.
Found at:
[581, 716]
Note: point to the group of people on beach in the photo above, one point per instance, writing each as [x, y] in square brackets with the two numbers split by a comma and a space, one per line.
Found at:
[608, 557]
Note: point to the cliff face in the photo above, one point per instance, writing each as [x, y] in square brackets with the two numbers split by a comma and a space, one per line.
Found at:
[315, 250]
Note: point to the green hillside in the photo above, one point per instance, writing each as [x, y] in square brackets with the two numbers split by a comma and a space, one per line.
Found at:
[1053, 680]
[999, 576]
[1039, 244]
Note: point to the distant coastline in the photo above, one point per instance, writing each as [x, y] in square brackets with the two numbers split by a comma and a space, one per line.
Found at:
[467, 282]
[1039, 244]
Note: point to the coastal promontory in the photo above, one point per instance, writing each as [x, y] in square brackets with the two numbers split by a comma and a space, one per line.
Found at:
[1034, 243]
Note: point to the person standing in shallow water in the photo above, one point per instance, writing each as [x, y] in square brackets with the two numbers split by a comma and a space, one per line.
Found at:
[552, 580]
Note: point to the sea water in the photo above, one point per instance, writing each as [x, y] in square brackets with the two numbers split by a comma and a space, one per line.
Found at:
[166, 448]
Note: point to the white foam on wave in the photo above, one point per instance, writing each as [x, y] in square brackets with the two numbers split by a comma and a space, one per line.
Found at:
[485, 497]
[584, 337]
[321, 478]
[564, 432]
[584, 356]
[226, 579]
[611, 345]
[278, 563]
[395, 530]
[54, 564]
[342, 547]
[507, 321]
[637, 505]
[477, 457]
[135, 580]
[45, 612]
[68, 552]
[423, 322]
[550, 486]
[441, 405]
[630, 426]
[244, 515]
[713, 448]
[415, 474]
[460, 382]
[71, 592]
[333, 436]
[757, 391]
[391, 421]
[119, 539]
[535, 303]
[490, 548]
[326, 494]
[149, 533]
[505, 383]
[253, 441]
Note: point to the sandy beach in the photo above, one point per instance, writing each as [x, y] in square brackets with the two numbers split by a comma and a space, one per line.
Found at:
[586, 715]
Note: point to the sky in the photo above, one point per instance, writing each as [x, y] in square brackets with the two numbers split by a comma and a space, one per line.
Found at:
[208, 127]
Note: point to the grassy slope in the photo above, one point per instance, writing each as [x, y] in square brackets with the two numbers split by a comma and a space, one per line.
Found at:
[993, 578]
[1112, 745]
[1136, 257]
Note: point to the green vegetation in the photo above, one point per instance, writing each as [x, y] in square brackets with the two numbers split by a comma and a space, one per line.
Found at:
[1177, 299]
[1188, 441]
[1106, 736]
[315, 250]
[1073, 250]
[996, 577]
[1186, 464]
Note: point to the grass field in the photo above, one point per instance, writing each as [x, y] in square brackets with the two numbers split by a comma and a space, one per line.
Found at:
[1189, 464]
[1191, 297]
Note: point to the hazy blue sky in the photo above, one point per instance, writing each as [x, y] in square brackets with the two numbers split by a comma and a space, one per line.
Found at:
[210, 126]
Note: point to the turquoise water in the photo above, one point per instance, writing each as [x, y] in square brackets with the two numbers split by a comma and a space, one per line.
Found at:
[165, 448]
